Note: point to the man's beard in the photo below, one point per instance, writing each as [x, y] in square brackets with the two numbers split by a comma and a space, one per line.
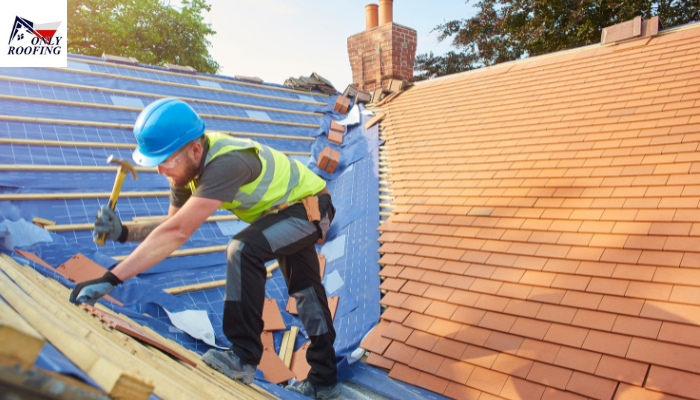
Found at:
[191, 171]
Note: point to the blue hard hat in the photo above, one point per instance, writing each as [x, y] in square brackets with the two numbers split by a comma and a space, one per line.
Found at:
[162, 128]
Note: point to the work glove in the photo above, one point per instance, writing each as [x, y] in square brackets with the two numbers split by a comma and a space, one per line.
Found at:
[108, 222]
[89, 291]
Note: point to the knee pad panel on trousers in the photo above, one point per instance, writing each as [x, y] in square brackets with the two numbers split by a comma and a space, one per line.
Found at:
[310, 312]
[233, 270]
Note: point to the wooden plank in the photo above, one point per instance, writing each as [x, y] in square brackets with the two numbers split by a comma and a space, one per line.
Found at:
[116, 381]
[287, 348]
[57, 121]
[172, 379]
[76, 196]
[186, 252]
[37, 383]
[43, 222]
[208, 285]
[21, 344]
[204, 77]
[134, 221]
[183, 85]
[158, 96]
[377, 118]
[134, 331]
[67, 168]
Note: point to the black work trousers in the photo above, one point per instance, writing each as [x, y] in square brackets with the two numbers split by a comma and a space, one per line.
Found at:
[289, 237]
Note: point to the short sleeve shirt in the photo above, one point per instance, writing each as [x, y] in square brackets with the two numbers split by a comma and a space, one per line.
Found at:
[221, 178]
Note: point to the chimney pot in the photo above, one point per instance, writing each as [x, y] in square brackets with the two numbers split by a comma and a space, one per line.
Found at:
[372, 16]
[386, 11]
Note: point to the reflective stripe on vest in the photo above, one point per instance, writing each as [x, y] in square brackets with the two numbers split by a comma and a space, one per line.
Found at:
[282, 179]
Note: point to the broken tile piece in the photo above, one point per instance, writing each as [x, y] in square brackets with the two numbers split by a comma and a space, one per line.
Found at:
[80, 269]
[273, 368]
[272, 318]
[300, 367]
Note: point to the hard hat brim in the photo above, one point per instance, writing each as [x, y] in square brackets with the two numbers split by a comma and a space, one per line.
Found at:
[148, 161]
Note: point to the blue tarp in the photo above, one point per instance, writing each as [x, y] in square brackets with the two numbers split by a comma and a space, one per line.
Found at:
[351, 246]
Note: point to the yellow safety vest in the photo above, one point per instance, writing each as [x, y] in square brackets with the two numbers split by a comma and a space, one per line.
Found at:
[282, 179]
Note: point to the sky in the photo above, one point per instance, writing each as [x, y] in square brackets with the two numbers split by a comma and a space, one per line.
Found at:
[276, 39]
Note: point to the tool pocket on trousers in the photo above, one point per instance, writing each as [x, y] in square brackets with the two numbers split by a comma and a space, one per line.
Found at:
[325, 223]
[288, 231]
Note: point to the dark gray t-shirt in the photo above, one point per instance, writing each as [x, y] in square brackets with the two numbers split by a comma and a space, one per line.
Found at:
[221, 179]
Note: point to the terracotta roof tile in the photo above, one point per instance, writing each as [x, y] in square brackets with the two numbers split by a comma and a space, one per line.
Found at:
[395, 314]
[419, 321]
[674, 382]
[374, 341]
[463, 298]
[620, 369]
[530, 328]
[487, 380]
[422, 340]
[473, 335]
[550, 375]
[540, 351]
[400, 353]
[378, 361]
[403, 373]
[554, 222]
[449, 348]
[396, 331]
[511, 365]
[554, 394]
[479, 356]
[591, 386]
[607, 343]
[637, 326]
[629, 392]
[594, 320]
[577, 359]
[461, 392]
[432, 383]
[497, 321]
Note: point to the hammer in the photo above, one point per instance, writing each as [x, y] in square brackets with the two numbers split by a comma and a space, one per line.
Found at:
[124, 167]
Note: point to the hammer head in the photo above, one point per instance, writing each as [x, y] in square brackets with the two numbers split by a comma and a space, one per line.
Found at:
[124, 166]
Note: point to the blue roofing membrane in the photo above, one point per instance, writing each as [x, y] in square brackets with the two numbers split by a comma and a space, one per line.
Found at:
[351, 247]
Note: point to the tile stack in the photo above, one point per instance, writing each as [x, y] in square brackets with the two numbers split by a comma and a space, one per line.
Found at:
[342, 103]
[313, 82]
[335, 134]
[545, 240]
[328, 160]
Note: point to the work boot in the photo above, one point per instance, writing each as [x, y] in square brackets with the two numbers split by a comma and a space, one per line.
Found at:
[229, 364]
[308, 389]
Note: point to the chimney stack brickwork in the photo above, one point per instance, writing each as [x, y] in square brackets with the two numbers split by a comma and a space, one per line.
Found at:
[380, 54]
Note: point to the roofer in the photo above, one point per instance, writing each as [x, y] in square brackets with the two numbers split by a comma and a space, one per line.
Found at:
[210, 171]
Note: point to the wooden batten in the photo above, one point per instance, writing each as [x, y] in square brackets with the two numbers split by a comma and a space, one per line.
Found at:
[21, 342]
[211, 285]
[117, 381]
[170, 379]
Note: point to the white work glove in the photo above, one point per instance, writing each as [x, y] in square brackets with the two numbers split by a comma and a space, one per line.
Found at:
[108, 222]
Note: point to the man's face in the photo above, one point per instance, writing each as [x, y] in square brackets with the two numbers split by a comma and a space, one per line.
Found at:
[186, 168]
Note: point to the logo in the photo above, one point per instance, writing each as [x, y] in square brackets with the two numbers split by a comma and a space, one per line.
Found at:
[29, 39]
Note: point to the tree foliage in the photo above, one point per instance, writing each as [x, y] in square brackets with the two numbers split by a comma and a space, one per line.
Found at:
[149, 30]
[505, 30]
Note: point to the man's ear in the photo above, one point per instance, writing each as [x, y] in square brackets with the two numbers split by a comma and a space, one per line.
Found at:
[197, 150]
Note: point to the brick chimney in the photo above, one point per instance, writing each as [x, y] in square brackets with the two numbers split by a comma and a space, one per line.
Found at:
[381, 52]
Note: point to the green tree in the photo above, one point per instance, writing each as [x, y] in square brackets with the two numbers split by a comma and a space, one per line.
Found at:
[505, 30]
[148, 30]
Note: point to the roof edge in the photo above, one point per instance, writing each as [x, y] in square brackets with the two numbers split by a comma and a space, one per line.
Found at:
[667, 31]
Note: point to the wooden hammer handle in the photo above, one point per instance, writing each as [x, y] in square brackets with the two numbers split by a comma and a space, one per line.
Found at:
[112, 203]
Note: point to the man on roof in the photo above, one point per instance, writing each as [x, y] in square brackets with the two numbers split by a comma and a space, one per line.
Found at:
[209, 171]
